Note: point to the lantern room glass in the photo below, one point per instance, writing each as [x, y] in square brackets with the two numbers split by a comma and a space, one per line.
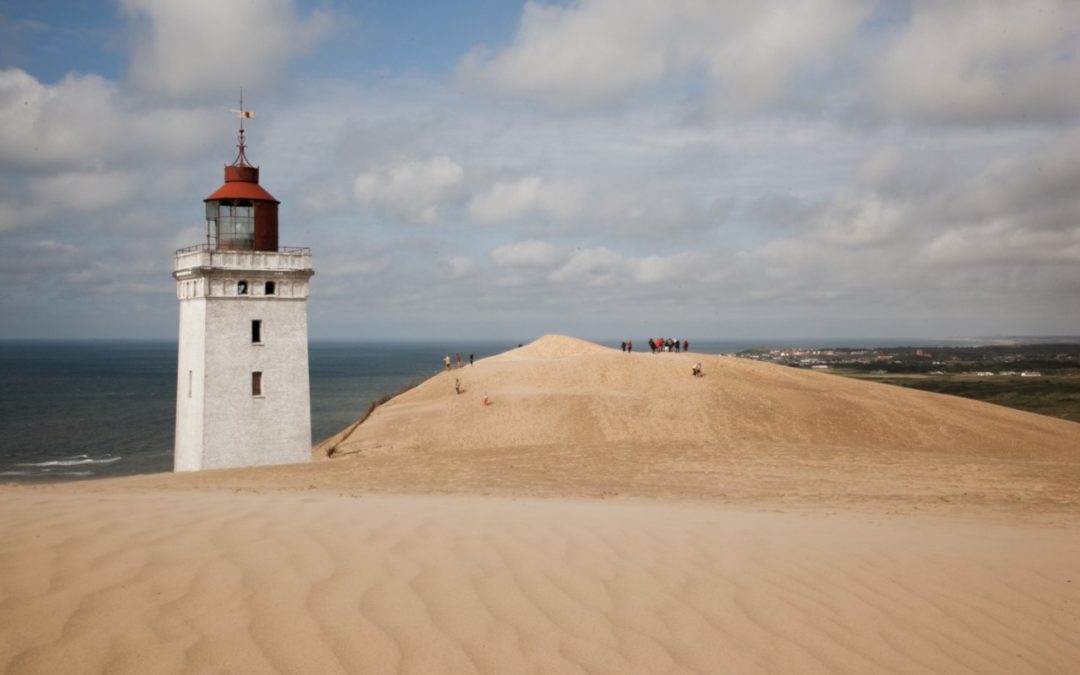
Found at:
[235, 224]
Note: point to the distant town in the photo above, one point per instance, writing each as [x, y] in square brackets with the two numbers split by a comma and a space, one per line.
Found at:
[1042, 377]
[1011, 360]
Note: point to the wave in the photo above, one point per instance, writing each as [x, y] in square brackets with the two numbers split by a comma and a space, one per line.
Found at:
[75, 461]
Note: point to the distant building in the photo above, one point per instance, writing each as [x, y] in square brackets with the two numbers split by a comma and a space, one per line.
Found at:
[242, 392]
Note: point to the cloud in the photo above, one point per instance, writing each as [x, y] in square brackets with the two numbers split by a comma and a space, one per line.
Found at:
[86, 121]
[656, 269]
[596, 266]
[529, 253]
[595, 52]
[647, 208]
[411, 190]
[506, 200]
[780, 211]
[991, 61]
[862, 221]
[509, 200]
[186, 47]
[1001, 242]
[71, 123]
[35, 257]
[457, 267]
[86, 191]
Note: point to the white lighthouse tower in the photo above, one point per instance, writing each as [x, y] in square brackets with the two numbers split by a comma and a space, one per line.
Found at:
[242, 396]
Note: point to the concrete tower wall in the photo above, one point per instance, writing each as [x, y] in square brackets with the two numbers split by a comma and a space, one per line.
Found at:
[190, 385]
[274, 427]
[221, 420]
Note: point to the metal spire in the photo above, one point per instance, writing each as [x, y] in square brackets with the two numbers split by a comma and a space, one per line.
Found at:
[243, 114]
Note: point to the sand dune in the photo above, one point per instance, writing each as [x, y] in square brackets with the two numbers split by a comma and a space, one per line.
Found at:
[144, 582]
[766, 519]
[571, 418]
[560, 391]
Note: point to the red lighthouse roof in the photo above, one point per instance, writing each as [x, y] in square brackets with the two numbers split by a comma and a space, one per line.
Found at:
[241, 190]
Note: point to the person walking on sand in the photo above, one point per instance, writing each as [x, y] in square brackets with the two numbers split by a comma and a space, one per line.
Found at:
[471, 357]
[629, 346]
[446, 360]
[458, 356]
[685, 346]
[624, 346]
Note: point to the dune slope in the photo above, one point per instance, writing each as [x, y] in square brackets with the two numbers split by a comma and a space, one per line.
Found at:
[560, 390]
[574, 418]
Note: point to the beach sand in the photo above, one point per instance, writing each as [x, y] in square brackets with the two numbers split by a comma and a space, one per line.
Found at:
[607, 513]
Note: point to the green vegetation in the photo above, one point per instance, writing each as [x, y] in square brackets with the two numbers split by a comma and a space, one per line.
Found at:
[1042, 378]
[1057, 395]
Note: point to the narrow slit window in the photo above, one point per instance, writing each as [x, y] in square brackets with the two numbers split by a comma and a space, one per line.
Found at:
[256, 383]
[270, 288]
[189, 384]
[256, 331]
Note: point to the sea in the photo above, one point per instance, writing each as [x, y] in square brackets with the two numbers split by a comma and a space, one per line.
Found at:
[77, 410]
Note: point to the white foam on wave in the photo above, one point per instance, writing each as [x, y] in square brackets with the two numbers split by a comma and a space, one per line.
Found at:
[75, 461]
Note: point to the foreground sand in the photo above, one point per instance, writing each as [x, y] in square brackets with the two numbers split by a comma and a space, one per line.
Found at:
[607, 514]
[210, 582]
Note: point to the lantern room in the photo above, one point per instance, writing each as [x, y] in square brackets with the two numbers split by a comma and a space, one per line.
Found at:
[241, 215]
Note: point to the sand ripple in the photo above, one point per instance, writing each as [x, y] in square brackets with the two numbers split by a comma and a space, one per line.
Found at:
[212, 582]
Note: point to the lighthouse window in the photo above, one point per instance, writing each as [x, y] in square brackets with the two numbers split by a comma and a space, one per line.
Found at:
[270, 288]
[236, 226]
[256, 331]
[256, 383]
[241, 288]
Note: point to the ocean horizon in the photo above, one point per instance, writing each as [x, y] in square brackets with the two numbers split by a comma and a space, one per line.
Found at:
[82, 409]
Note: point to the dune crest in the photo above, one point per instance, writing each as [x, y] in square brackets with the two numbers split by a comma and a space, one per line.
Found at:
[564, 391]
[554, 347]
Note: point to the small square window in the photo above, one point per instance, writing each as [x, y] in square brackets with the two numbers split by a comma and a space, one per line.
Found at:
[256, 383]
[241, 288]
[271, 288]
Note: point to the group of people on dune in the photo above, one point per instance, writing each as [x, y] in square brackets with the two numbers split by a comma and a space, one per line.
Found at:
[660, 345]
[668, 345]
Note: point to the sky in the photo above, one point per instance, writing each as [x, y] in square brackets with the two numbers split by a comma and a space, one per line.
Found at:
[601, 168]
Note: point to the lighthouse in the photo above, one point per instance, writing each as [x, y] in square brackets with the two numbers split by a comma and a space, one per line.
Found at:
[242, 393]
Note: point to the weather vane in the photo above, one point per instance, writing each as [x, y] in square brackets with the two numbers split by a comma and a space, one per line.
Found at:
[243, 114]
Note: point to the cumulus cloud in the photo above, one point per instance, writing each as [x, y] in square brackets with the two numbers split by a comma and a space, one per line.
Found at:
[1000, 242]
[85, 121]
[529, 253]
[656, 269]
[457, 267]
[596, 266]
[509, 200]
[70, 123]
[411, 190]
[647, 208]
[597, 51]
[185, 47]
[984, 61]
[86, 191]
